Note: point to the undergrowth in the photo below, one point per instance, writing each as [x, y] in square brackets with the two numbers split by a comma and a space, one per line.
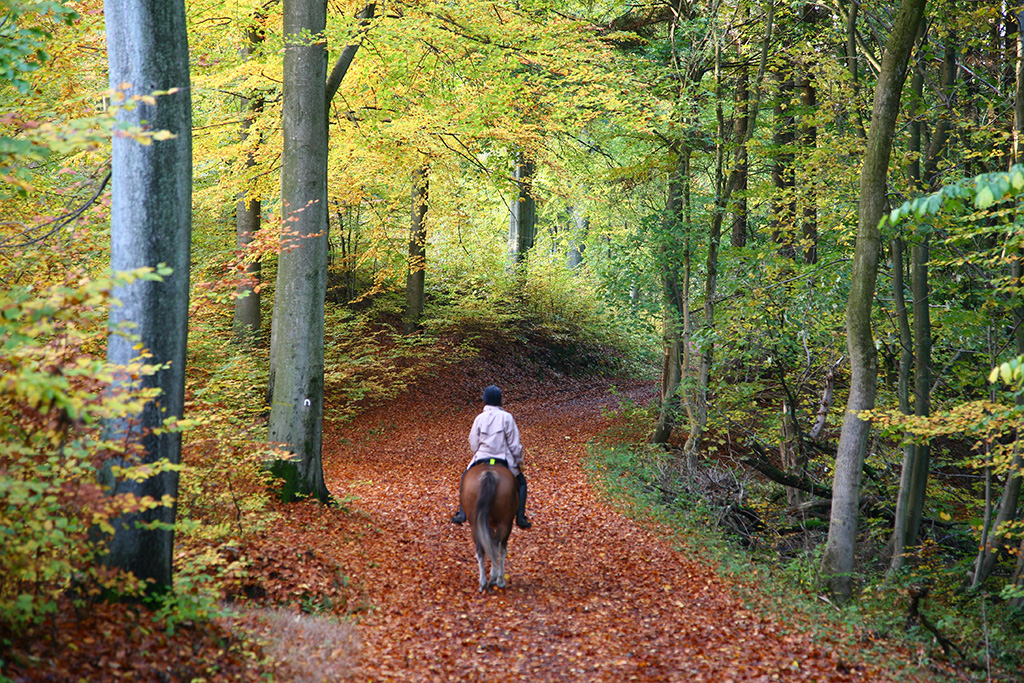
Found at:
[654, 486]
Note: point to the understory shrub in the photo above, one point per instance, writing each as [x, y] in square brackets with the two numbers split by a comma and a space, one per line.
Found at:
[56, 393]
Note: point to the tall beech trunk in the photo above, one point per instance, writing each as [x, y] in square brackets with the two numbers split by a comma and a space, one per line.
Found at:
[150, 222]
[899, 540]
[296, 411]
[697, 406]
[417, 267]
[838, 559]
[248, 212]
[330, 88]
[579, 226]
[296, 387]
[697, 401]
[673, 313]
[522, 226]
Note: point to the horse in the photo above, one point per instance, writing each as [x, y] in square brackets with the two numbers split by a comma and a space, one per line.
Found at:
[490, 496]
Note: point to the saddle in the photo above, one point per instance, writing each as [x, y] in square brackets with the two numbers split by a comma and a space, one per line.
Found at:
[491, 461]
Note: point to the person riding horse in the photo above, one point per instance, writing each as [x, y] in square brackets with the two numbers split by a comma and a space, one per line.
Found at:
[495, 436]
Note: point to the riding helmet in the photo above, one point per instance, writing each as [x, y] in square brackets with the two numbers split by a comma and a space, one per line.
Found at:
[492, 396]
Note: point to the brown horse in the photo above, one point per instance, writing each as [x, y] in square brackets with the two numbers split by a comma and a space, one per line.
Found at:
[490, 497]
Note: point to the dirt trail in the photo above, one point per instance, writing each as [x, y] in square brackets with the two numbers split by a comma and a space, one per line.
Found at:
[592, 596]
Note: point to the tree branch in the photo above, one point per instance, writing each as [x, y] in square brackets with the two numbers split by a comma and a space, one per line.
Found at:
[348, 53]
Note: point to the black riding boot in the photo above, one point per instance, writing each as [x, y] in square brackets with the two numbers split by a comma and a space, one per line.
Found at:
[459, 517]
[521, 521]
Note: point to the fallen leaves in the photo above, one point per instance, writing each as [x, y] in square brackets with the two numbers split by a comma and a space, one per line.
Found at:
[592, 596]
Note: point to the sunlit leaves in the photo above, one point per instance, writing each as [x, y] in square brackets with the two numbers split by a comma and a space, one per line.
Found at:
[55, 392]
[24, 37]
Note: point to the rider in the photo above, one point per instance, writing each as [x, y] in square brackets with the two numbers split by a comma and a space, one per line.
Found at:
[495, 435]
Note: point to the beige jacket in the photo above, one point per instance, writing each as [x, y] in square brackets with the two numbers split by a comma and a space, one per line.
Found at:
[494, 434]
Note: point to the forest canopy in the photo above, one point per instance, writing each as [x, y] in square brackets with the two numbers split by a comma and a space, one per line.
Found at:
[247, 220]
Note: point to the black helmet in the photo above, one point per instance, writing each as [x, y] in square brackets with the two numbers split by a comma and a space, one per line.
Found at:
[492, 396]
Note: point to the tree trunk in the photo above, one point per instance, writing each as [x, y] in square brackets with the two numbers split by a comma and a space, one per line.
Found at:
[838, 559]
[914, 483]
[790, 453]
[330, 88]
[809, 142]
[416, 275]
[579, 226]
[673, 308]
[247, 319]
[900, 540]
[739, 133]
[296, 412]
[151, 218]
[783, 211]
[522, 228]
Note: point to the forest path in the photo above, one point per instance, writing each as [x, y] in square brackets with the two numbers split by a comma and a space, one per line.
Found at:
[592, 596]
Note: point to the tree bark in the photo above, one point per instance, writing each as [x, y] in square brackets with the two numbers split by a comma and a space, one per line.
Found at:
[296, 412]
[151, 218]
[809, 142]
[522, 228]
[330, 88]
[579, 226]
[248, 212]
[673, 315]
[348, 53]
[838, 559]
[739, 133]
[783, 211]
[417, 267]
[914, 483]
[899, 540]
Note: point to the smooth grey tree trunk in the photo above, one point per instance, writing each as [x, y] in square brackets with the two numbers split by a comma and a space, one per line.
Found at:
[296, 411]
[838, 559]
[809, 141]
[151, 219]
[522, 227]
[417, 266]
[579, 226]
[248, 213]
[334, 81]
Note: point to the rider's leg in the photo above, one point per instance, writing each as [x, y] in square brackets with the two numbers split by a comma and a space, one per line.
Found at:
[459, 517]
[521, 521]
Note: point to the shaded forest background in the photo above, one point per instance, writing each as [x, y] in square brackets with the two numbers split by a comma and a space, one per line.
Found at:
[666, 190]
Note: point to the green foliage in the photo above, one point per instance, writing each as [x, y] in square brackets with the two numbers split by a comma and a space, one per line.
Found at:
[983, 191]
[24, 36]
[55, 396]
[544, 306]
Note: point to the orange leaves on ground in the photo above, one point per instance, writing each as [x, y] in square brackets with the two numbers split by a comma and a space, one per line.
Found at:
[591, 596]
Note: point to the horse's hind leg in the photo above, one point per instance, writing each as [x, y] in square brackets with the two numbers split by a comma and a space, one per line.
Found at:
[498, 568]
[483, 572]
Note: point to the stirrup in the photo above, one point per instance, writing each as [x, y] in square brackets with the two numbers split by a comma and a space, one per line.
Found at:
[459, 517]
[522, 522]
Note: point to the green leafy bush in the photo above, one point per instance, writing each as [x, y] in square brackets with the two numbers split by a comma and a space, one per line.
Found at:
[55, 394]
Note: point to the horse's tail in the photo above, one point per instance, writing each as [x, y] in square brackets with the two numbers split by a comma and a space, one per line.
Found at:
[484, 502]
